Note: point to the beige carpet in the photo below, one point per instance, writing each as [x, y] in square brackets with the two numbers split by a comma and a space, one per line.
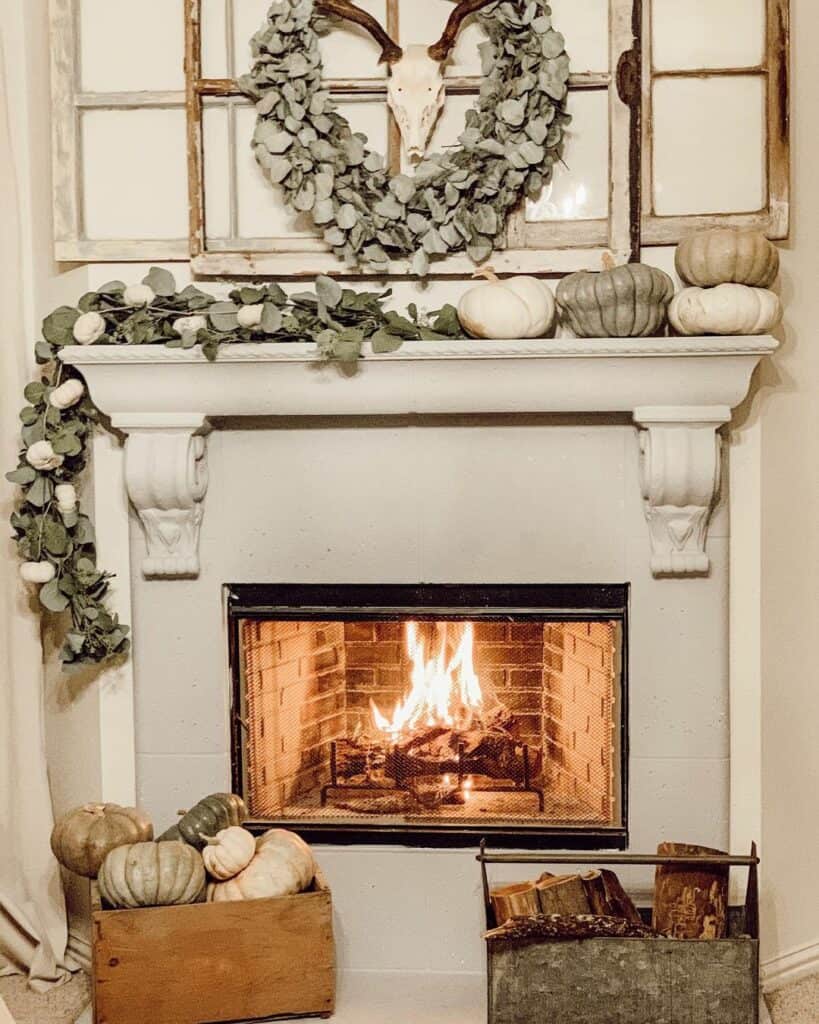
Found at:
[796, 1004]
[58, 1006]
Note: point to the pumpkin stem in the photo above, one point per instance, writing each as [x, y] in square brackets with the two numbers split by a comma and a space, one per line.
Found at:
[487, 273]
[97, 809]
[210, 840]
[608, 261]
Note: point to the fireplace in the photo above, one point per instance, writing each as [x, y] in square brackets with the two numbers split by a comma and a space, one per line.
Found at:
[432, 714]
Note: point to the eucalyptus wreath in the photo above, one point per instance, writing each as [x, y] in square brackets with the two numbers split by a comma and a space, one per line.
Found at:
[55, 539]
[456, 201]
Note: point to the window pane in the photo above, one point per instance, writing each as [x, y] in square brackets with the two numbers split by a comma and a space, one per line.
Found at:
[709, 145]
[216, 147]
[708, 34]
[347, 51]
[262, 213]
[423, 21]
[152, 201]
[580, 186]
[132, 45]
[214, 40]
[585, 26]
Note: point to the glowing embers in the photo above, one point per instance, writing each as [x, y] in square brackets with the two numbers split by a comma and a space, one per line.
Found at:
[445, 689]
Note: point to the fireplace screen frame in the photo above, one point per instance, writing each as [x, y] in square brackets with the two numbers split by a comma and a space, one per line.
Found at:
[555, 603]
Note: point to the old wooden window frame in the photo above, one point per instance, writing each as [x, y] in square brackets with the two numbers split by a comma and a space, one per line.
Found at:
[556, 246]
[774, 218]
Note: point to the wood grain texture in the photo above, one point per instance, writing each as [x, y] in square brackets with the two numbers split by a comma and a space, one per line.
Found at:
[214, 962]
[564, 894]
[690, 901]
[624, 981]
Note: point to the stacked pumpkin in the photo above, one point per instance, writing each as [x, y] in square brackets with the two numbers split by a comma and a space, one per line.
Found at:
[730, 273]
[206, 855]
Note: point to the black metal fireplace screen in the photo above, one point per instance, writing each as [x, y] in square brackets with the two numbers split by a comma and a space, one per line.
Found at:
[433, 714]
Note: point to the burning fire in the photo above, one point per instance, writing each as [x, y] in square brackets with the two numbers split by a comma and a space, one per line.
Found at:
[441, 693]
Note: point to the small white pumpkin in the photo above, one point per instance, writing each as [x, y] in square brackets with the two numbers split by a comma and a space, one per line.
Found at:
[228, 852]
[37, 572]
[41, 455]
[88, 328]
[66, 496]
[282, 866]
[726, 309]
[250, 316]
[139, 295]
[519, 307]
[67, 394]
[190, 324]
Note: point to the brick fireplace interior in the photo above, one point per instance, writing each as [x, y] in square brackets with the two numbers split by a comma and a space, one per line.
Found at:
[507, 724]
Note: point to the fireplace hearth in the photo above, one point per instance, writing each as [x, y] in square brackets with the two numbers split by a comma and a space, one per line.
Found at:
[432, 714]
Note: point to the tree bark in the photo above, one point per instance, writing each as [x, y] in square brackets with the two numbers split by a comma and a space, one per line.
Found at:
[608, 898]
[690, 901]
[565, 895]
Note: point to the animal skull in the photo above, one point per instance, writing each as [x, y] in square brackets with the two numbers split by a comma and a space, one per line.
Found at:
[416, 94]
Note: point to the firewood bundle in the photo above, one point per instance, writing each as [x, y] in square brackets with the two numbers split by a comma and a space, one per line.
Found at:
[690, 902]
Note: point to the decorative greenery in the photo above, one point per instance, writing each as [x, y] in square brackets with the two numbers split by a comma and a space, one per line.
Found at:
[456, 201]
[55, 540]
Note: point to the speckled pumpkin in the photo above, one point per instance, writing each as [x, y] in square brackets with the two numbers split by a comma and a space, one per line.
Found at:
[209, 816]
[625, 302]
[81, 839]
[727, 256]
[152, 875]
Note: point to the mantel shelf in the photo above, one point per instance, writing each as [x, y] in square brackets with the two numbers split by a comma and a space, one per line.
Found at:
[679, 392]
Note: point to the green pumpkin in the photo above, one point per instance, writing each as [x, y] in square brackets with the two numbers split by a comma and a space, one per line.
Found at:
[625, 302]
[209, 816]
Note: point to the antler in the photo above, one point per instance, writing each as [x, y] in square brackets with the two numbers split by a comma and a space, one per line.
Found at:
[440, 51]
[391, 52]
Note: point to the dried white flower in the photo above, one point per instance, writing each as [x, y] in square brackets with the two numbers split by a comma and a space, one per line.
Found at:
[190, 324]
[67, 394]
[88, 328]
[66, 496]
[42, 456]
[139, 295]
[37, 572]
[250, 316]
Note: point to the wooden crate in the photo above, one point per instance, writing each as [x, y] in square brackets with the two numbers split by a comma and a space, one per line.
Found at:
[627, 981]
[215, 962]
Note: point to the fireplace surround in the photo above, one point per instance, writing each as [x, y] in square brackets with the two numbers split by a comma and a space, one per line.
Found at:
[432, 714]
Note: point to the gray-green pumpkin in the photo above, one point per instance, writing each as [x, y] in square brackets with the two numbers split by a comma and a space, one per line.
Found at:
[625, 302]
[209, 816]
[152, 875]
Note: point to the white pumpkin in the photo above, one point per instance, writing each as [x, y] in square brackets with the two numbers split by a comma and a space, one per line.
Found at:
[283, 866]
[67, 394]
[139, 295]
[726, 309]
[228, 852]
[250, 316]
[520, 307]
[41, 455]
[88, 328]
[37, 572]
[66, 496]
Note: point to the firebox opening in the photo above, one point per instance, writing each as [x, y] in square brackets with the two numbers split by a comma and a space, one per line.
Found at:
[382, 717]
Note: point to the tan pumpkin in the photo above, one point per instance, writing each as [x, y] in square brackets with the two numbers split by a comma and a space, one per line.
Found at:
[283, 866]
[228, 852]
[726, 309]
[727, 256]
[81, 839]
[152, 875]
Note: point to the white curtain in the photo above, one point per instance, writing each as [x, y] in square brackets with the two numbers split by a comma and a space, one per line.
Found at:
[33, 930]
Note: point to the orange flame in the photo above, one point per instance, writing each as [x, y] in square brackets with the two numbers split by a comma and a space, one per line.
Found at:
[440, 693]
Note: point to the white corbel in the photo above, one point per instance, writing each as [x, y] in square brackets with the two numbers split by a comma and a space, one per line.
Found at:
[166, 475]
[680, 468]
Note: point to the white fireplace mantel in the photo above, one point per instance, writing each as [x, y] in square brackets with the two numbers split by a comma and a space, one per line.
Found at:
[678, 391]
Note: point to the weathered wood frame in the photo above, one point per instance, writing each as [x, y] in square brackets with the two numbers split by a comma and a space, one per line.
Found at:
[558, 247]
[774, 218]
[68, 103]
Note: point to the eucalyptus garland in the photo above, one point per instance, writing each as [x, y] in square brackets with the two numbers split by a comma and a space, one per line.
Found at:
[55, 539]
[456, 201]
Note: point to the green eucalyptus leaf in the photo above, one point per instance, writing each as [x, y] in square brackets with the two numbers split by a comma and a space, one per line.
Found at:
[328, 291]
[52, 598]
[223, 316]
[161, 281]
[271, 322]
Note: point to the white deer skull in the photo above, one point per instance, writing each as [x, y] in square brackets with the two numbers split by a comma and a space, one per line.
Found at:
[416, 96]
[415, 92]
